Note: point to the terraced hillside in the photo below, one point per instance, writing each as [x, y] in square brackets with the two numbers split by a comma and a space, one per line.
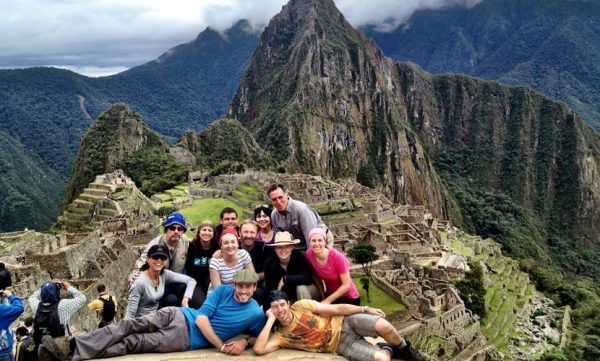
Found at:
[512, 303]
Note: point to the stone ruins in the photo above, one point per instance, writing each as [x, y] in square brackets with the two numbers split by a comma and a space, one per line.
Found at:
[98, 237]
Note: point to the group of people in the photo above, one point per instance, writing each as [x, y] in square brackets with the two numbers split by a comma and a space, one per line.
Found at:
[211, 292]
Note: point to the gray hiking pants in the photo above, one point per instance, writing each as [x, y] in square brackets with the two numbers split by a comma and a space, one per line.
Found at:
[165, 330]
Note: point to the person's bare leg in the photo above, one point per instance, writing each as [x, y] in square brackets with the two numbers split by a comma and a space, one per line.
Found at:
[388, 332]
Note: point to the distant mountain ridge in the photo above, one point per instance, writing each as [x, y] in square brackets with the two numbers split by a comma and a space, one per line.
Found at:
[552, 46]
[49, 110]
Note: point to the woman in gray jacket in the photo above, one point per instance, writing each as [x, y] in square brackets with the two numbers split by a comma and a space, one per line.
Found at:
[147, 291]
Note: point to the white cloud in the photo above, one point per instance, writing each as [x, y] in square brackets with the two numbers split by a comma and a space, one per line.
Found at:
[105, 34]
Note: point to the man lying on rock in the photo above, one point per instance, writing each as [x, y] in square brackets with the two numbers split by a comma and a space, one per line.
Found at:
[317, 327]
[226, 313]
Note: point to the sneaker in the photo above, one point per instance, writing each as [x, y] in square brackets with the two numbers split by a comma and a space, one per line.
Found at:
[409, 353]
[58, 347]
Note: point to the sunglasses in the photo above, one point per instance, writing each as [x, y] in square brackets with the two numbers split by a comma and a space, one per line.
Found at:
[176, 228]
[157, 257]
[262, 206]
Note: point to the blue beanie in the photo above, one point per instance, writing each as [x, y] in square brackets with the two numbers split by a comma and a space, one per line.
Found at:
[50, 292]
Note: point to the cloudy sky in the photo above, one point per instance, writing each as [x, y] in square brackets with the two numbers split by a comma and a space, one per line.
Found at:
[101, 37]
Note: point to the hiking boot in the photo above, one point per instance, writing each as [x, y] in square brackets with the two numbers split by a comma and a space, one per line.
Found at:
[409, 353]
[58, 347]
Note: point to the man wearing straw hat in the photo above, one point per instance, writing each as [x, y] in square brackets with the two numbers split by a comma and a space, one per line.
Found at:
[288, 270]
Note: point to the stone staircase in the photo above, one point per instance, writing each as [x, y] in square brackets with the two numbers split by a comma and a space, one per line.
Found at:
[92, 206]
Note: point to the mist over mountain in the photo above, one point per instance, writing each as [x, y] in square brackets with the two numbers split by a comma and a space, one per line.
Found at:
[552, 46]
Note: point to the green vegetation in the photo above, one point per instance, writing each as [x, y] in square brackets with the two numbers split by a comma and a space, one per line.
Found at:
[208, 208]
[226, 141]
[49, 110]
[549, 45]
[29, 191]
[364, 254]
[472, 291]
[154, 170]
[367, 176]
[380, 299]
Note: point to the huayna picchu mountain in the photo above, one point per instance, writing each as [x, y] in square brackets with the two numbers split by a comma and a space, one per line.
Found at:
[323, 99]
[119, 138]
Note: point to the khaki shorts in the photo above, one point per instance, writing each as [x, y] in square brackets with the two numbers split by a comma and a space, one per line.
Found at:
[353, 345]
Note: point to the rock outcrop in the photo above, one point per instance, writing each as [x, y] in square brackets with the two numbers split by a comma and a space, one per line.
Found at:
[323, 99]
[117, 133]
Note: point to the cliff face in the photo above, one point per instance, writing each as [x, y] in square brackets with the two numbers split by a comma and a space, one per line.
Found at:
[224, 140]
[323, 99]
[116, 134]
[503, 161]
[510, 140]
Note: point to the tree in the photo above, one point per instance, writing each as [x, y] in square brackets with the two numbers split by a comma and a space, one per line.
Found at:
[365, 255]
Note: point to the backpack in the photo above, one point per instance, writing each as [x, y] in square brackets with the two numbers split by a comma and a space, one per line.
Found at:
[109, 309]
[47, 322]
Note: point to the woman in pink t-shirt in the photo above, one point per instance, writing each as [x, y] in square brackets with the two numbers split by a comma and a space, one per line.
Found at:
[332, 270]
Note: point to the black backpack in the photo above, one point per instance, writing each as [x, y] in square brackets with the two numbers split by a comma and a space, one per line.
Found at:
[47, 322]
[109, 309]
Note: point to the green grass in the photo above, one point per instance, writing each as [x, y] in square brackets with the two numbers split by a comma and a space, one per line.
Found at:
[379, 299]
[208, 208]
[250, 189]
[389, 220]
[241, 196]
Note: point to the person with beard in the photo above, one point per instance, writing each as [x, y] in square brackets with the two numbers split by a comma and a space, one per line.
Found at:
[177, 243]
[258, 253]
[318, 327]
[226, 313]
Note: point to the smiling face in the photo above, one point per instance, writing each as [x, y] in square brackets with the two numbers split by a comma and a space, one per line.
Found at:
[281, 310]
[244, 292]
[279, 199]
[284, 252]
[248, 234]
[263, 221]
[206, 234]
[318, 243]
[229, 220]
[157, 262]
[229, 244]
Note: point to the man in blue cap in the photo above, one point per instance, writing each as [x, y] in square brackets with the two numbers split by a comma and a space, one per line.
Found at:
[175, 240]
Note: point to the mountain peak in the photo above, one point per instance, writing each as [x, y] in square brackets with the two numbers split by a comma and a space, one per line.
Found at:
[319, 96]
[117, 133]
